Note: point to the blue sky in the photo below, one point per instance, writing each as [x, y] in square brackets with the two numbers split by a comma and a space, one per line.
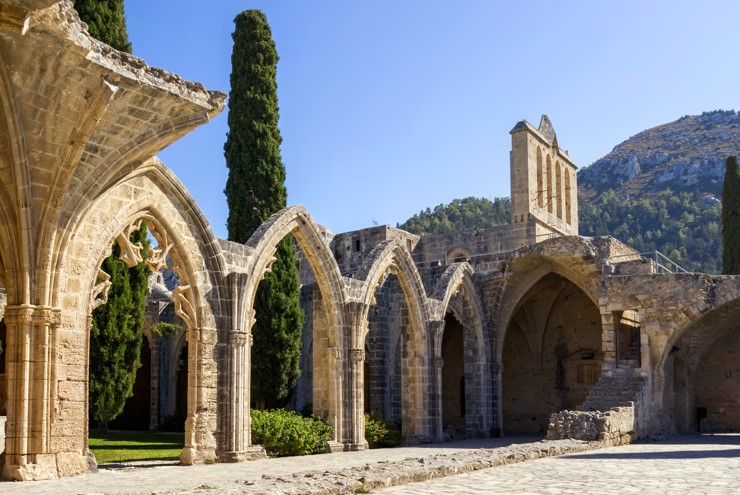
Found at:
[389, 107]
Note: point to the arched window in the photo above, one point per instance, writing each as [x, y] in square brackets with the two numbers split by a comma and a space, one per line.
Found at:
[567, 196]
[558, 191]
[549, 185]
[540, 190]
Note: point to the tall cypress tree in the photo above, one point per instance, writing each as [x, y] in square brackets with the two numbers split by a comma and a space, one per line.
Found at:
[116, 335]
[105, 21]
[731, 218]
[255, 190]
[118, 326]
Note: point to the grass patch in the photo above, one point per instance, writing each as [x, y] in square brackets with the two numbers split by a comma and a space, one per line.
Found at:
[123, 446]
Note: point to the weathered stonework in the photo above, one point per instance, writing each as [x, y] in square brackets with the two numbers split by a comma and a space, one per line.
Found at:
[464, 335]
[612, 427]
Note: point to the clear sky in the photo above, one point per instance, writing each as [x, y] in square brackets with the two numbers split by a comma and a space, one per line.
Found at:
[390, 107]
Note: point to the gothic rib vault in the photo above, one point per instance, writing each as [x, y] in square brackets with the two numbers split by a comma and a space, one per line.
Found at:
[470, 334]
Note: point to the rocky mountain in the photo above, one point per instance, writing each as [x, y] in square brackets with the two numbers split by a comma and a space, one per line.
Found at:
[658, 190]
[686, 155]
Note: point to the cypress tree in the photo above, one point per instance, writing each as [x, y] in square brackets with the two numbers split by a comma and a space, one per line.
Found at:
[105, 21]
[118, 326]
[116, 335]
[255, 190]
[731, 218]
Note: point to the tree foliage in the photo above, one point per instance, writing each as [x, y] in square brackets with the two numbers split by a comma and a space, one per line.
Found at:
[460, 215]
[116, 333]
[255, 190]
[731, 218]
[681, 226]
[105, 21]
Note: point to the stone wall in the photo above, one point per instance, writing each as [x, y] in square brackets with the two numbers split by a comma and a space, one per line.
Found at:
[2, 433]
[613, 427]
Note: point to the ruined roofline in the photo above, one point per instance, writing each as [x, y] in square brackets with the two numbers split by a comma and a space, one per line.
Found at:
[525, 125]
[61, 19]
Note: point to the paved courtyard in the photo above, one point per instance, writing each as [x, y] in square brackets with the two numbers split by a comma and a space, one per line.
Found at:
[686, 464]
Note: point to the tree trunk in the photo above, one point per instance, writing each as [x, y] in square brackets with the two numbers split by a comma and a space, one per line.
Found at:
[103, 428]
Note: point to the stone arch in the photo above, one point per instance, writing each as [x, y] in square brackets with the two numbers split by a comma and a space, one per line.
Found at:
[392, 256]
[19, 168]
[458, 255]
[296, 220]
[460, 296]
[550, 323]
[698, 368]
[151, 194]
[518, 285]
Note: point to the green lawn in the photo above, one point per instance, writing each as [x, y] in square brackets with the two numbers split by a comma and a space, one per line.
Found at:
[136, 446]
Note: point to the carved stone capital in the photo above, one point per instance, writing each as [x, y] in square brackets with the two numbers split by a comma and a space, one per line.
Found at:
[438, 362]
[357, 355]
[239, 339]
[33, 315]
[334, 352]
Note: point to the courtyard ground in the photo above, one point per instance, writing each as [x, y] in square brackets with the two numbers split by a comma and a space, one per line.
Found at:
[684, 464]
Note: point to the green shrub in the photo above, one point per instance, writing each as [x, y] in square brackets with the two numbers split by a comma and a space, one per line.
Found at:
[380, 432]
[285, 433]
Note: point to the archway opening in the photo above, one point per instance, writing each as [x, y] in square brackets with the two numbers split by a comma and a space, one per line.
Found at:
[385, 345]
[551, 354]
[702, 374]
[137, 411]
[453, 379]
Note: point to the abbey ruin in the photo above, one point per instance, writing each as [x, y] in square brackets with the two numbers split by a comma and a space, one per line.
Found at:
[466, 335]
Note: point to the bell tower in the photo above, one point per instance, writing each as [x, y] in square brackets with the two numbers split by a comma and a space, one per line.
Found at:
[543, 180]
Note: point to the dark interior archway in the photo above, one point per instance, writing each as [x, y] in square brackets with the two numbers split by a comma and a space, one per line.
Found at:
[453, 379]
[551, 355]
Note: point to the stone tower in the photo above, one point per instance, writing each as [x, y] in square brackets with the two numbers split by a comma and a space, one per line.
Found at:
[543, 181]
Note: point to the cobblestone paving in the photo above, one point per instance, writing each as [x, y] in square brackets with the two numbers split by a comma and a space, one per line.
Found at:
[693, 464]
[688, 464]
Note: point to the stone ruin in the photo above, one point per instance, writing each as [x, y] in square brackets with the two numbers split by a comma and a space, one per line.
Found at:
[454, 336]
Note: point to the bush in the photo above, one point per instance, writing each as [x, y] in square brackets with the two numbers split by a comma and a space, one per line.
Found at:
[380, 432]
[285, 433]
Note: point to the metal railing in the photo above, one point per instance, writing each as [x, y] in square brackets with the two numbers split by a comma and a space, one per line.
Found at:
[659, 263]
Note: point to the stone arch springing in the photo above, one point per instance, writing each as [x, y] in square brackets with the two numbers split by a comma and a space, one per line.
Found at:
[393, 257]
[328, 355]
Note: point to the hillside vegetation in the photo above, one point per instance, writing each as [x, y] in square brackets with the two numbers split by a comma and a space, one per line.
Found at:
[658, 190]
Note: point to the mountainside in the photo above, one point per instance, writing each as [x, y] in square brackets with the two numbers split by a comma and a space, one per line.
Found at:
[686, 155]
[658, 190]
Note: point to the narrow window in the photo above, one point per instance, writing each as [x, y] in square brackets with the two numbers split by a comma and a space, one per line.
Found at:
[558, 191]
[540, 190]
[567, 197]
[549, 185]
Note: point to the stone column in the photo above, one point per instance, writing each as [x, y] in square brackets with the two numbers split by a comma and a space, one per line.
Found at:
[435, 406]
[29, 402]
[357, 360]
[436, 330]
[237, 424]
[497, 372]
[154, 382]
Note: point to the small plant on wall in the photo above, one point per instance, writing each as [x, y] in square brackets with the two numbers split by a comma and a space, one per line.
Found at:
[163, 329]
